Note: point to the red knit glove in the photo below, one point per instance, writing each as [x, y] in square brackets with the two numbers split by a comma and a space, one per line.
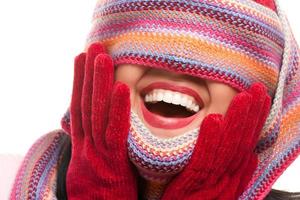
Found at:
[268, 3]
[100, 111]
[224, 160]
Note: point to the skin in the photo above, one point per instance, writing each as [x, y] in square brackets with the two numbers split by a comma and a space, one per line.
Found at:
[216, 96]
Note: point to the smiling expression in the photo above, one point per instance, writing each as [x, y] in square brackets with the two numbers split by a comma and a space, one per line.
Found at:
[169, 103]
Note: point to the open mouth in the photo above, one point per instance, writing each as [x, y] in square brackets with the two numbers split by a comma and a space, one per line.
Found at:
[168, 110]
[168, 106]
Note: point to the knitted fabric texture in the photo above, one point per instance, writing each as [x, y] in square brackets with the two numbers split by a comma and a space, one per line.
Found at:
[237, 42]
[158, 159]
[36, 177]
[279, 143]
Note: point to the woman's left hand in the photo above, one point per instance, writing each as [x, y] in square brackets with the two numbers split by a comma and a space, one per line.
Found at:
[224, 160]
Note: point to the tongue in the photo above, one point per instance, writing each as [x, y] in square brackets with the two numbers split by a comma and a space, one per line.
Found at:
[168, 110]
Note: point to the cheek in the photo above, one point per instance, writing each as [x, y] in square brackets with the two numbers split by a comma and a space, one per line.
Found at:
[221, 96]
[129, 74]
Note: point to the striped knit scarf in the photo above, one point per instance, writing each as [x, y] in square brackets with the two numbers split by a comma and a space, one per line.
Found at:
[237, 42]
[279, 143]
[158, 159]
[36, 178]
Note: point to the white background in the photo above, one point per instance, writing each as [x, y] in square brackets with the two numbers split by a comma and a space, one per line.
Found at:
[38, 41]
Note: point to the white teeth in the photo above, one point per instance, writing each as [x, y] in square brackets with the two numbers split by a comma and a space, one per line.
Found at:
[189, 103]
[160, 96]
[195, 108]
[167, 97]
[150, 98]
[175, 98]
[147, 98]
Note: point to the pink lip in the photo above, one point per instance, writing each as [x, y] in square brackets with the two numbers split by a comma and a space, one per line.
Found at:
[158, 121]
[175, 88]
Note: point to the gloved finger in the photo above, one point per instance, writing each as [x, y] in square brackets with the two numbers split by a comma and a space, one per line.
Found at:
[195, 173]
[102, 88]
[209, 140]
[86, 99]
[256, 117]
[240, 177]
[259, 95]
[265, 111]
[234, 122]
[119, 119]
[75, 107]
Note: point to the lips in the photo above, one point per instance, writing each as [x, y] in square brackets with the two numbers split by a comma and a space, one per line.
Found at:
[158, 120]
[168, 86]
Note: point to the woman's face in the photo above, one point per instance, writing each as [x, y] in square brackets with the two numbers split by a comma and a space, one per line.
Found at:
[169, 103]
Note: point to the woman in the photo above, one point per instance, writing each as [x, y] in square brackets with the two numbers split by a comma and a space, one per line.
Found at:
[204, 106]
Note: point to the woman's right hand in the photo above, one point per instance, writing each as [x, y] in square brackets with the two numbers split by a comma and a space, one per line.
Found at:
[99, 115]
[224, 160]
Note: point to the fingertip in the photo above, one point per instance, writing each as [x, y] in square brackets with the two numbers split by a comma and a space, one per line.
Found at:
[121, 96]
[260, 97]
[104, 62]
[103, 58]
[212, 120]
[79, 64]
[241, 102]
[79, 61]
[80, 58]
[121, 92]
[244, 97]
[96, 48]
[93, 50]
[258, 88]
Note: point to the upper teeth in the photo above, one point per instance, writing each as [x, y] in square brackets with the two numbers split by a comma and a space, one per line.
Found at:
[172, 97]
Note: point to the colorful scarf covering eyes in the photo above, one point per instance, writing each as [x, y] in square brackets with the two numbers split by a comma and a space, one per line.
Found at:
[231, 41]
[237, 42]
[158, 159]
